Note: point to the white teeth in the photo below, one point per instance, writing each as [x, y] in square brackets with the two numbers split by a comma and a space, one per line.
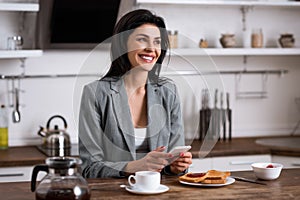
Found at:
[147, 57]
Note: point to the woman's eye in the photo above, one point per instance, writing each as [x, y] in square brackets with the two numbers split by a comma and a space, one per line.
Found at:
[141, 39]
[157, 42]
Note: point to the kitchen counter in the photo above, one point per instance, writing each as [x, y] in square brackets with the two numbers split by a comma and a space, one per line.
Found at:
[30, 155]
[21, 156]
[287, 186]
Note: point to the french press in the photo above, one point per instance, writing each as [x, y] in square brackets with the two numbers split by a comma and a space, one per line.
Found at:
[63, 181]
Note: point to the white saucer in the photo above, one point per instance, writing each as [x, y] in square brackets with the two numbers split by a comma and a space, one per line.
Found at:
[160, 189]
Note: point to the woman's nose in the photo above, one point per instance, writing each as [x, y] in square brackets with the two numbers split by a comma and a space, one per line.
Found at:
[150, 47]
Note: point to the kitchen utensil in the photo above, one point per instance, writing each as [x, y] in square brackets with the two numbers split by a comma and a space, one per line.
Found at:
[223, 116]
[16, 116]
[247, 180]
[229, 116]
[56, 140]
[63, 181]
[202, 117]
[267, 171]
[205, 114]
[208, 114]
[216, 118]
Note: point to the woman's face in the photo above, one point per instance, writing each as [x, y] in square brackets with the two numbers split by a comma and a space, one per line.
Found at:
[144, 46]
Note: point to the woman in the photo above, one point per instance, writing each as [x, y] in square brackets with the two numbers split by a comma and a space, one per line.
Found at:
[131, 117]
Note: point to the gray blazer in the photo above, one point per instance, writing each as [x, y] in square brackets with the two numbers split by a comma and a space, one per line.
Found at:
[106, 132]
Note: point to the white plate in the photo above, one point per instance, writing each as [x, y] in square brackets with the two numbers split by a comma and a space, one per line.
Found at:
[229, 180]
[161, 189]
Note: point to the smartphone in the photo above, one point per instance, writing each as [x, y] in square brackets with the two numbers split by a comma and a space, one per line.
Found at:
[179, 149]
[176, 152]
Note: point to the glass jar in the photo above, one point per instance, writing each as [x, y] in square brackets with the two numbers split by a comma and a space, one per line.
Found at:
[257, 38]
[173, 39]
[63, 181]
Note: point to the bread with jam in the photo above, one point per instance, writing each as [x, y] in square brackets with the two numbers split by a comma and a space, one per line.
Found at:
[209, 177]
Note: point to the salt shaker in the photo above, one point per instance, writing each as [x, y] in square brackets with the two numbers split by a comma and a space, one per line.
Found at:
[14, 42]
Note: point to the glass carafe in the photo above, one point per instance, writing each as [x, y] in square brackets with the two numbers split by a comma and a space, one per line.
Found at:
[63, 181]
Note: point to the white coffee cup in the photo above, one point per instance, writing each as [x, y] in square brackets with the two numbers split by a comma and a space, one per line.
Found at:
[145, 180]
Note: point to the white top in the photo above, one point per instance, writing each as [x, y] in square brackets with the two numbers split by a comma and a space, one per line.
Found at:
[141, 143]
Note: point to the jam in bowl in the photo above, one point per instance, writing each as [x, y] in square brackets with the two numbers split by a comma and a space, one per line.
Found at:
[267, 171]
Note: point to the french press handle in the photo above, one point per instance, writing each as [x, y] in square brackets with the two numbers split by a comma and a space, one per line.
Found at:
[35, 172]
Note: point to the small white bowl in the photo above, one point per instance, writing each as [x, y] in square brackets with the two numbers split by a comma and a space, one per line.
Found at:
[262, 171]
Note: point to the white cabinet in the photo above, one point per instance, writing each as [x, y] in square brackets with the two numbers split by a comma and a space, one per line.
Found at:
[18, 18]
[18, 174]
[287, 161]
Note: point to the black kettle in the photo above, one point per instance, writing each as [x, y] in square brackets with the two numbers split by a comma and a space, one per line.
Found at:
[56, 141]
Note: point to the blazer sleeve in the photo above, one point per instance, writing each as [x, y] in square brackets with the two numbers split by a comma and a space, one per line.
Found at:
[177, 128]
[91, 139]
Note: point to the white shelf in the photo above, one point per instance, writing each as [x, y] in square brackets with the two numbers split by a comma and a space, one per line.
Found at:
[26, 7]
[221, 3]
[236, 52]
[9, 54]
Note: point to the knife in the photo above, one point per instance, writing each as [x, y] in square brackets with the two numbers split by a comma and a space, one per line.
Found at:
[223, 119]
[247, 180]
[216, 118]
[202, 116]
[229, 115]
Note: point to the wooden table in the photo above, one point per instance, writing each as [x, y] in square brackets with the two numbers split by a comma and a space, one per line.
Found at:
[287, 186]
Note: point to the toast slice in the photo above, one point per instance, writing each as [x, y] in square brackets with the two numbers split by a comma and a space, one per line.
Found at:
[210, 177]
[216, 177]
[193, 177]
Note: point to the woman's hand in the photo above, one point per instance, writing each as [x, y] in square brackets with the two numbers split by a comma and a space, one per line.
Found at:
[155, 160]
[182, 163]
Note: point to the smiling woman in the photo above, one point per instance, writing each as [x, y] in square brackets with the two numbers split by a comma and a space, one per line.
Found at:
[144, 46]
[131, 117]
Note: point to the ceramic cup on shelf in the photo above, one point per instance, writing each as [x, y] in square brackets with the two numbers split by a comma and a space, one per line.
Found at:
[286, 40]
[228, 40]
[145, 180]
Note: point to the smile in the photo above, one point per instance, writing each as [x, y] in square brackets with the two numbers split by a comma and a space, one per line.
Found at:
[147, 58]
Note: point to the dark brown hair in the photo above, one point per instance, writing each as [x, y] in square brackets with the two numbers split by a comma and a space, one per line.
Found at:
[125, 26]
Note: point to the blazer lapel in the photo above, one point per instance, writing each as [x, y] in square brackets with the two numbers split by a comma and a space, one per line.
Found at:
[156, 112]
[123, 115]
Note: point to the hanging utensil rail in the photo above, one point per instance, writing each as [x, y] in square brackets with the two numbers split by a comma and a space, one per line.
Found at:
[169, 73]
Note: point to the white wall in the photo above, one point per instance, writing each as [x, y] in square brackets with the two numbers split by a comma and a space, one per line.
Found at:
[276, 115]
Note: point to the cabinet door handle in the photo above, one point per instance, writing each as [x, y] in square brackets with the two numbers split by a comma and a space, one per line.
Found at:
[296, 163]
[245, 162]
[13, 174]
